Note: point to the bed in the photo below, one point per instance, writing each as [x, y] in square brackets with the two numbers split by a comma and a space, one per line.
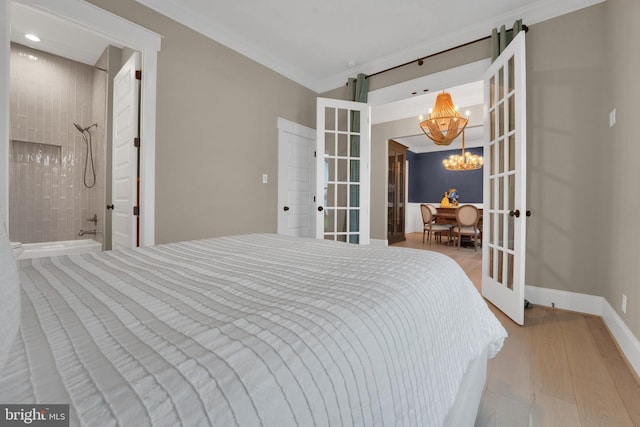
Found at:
[252, 330]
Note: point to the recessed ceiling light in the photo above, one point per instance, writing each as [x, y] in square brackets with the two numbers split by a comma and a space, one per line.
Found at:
[32, 37]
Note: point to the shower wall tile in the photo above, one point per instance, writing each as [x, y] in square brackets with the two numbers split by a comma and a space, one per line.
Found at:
[48, 200]
[97, 200]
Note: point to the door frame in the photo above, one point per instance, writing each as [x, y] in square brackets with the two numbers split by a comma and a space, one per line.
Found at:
[293, 128]
[405, 188]
[121, 32]
[391, 98]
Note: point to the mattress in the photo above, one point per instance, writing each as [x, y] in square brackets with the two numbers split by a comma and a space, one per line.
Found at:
[248, 330]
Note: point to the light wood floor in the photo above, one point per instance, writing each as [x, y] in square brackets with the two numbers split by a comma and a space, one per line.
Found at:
[559, 369]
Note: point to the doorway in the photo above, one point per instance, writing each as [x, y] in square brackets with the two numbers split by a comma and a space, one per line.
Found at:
[57, 150]
[121, 32]
[504, 183]
[396, 192]
[296, 179]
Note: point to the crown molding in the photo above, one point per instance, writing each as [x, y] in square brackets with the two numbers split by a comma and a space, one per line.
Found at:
[234, 41]
[531, 14]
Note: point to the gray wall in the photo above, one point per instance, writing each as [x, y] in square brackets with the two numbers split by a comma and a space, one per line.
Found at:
[216, 132]
[619, 250]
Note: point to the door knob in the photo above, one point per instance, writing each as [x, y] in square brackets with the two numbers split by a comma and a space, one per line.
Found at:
[110, 206]
[286, 208]
[528, 213]
[515, 213]
[320, 208]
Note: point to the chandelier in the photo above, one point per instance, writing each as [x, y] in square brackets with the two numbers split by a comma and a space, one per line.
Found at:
[444, 123]
[463, 162]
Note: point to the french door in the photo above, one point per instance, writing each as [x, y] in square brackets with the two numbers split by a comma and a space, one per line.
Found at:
[342, 173]
[505, 211]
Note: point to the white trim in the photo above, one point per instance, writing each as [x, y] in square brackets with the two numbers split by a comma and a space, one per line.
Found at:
[593, 305]
[235, 41]
[148, 148]
[626, 340]
[124, 33]
[296, 128]
[97, 20]
[581, 303]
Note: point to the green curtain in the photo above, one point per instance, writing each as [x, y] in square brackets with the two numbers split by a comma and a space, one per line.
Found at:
[358, 88]
[500, 39]
[358, 91]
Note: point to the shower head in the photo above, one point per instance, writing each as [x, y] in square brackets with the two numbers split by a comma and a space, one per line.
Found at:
[83, 130]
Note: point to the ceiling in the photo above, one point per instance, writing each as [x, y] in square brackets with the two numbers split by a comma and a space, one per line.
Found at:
[319, 44]
[57, 36]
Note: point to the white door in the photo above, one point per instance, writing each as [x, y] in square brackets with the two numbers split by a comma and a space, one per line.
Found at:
[343, 173]
[296, 179]
[126, 94]
[505, 211]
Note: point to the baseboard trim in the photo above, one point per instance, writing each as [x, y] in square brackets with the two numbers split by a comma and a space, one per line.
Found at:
[627, 341]
[581, 303]
[594, 305]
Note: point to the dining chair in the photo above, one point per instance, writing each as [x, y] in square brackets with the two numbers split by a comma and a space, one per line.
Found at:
[434, 211]
[467, 218]
[429, 224]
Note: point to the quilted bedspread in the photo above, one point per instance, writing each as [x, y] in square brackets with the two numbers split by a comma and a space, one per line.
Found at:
[252, 330]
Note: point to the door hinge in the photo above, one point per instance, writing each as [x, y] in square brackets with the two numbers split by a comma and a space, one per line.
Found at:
[136, 211]
[314, 198]
[138, 74]
[315, 154]
[136, 142]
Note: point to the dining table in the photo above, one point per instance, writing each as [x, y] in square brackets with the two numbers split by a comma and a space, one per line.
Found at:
[447, 215]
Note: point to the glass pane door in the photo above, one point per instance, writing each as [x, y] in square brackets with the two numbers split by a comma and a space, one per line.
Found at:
[343, 152]
[505, 181]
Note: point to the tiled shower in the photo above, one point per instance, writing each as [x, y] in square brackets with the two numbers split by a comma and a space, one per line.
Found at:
[48, 200]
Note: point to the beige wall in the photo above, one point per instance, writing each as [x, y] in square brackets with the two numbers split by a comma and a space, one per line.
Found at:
[579, 66]
[565, 117]
[216, 132]
[620, 252]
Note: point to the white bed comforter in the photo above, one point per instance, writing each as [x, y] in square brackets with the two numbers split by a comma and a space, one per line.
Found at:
[248, 330]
